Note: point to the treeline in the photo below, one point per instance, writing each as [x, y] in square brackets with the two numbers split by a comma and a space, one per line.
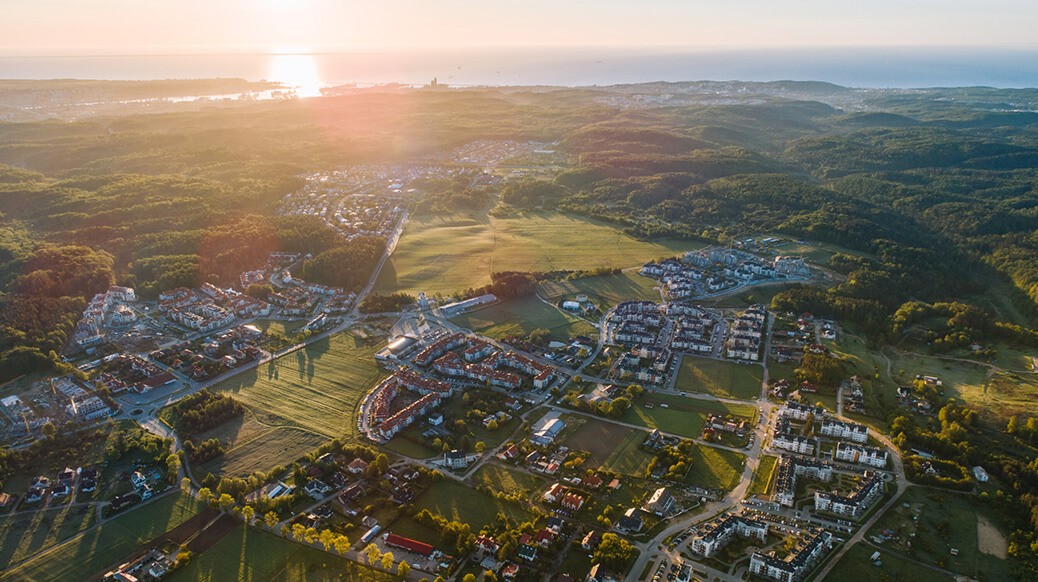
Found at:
[204, 410]
[348, 265]
[206, 450]
[378, 303]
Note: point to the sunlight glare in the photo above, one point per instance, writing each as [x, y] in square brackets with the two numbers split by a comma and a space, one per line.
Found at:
[297, 71]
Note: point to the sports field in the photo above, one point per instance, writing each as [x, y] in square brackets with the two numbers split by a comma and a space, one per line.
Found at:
[715, 468]
[307, 397]
[454, 253]
[252, 554]
[102, 547]
[719, 378]
[604, 291]
[520, 317]
[682, 416]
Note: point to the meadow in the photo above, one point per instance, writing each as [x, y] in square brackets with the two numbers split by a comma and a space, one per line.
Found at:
[23, 535]
[295, 403]
[520, 317]
[612, 447]
[683, 416]
[856, 565]
[719, 378]
[253, 554]
[605, 291]
[761, 482]
[104, 546]
[508, 480]
[446, 254]
[944, 521]
[715, 468]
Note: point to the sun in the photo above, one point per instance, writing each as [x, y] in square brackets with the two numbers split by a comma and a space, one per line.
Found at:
[297, 70]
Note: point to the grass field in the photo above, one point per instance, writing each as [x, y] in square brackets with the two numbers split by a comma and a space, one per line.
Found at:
[945, 521]
[24, 535]
[856, 566]
[605, 291]
[715, 468]
[683, 416]
[458, 502]
[612, 447]
[719, 378]
[761, 483]
[314, 391]
[520, 317]
[501, 478]
[106, 545]
[253, 554]
[454, 253]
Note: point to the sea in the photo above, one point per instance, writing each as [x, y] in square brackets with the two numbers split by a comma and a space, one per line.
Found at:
[899, 67]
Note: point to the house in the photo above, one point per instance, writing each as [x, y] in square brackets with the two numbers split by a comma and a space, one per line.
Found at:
[317, 489]
[544, 537]
[572, 502]
[435, 419]
[60, 491]
[660, 503]
[510, 453]
[555, 524]
[591, 540]
[68, 476]
[487, 545]
[547, 433]
[554, 493]
[357, 466]
[630, 522]
[592, 482]
[138, 480]
[510, 571]
[528, 552]
[980, 474]
[455, 459]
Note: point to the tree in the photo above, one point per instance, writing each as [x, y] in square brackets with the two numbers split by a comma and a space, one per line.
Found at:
[614, 551]
[185, 484]
[481, 447]
[492, 425]
[205, 495]
[271, 519]
[403, 569]
[327, 539]
[225, 502]
[387, 561]
[248, 513]
[373, 553]
[489, 576]
[469, 578]
[49, 430]
[540, 336]
[299, 532]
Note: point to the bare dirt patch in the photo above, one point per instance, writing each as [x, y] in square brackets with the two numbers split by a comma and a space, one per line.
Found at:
[989, 540]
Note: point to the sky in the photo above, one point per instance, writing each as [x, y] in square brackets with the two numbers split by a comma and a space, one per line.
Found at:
[64, 27]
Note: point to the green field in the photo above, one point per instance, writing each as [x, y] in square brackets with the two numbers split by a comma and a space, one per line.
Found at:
[105, 546]
[313, 391]
[856, 566]
[683, 416]
[612, 447]
[502, 478]
[520, 317]
[454, 253]
[252, 554]
[605, 291]
[715, 468]
[761, 483]
[719, 378]
[23, 535]
[458, 502]
[941, 521]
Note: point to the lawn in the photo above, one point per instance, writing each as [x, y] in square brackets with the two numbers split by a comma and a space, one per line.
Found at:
[453, 253]
[458, 502]
[520, 317]
[605, 291]
[856, 565]
[945, 521]
[761, 483]
[253, 554]
[719, 378]
[314, 391]
[23, 535]
[715, 468]
[612, 447]
[501, 478]
[103, 547]
[411, 443]
[683, 416]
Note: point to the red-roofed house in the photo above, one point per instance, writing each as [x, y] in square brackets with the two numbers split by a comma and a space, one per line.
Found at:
[572, 502]
[487, 544]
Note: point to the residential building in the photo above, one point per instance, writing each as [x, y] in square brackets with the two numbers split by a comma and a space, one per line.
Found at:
[795, 566]
[715, 536]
